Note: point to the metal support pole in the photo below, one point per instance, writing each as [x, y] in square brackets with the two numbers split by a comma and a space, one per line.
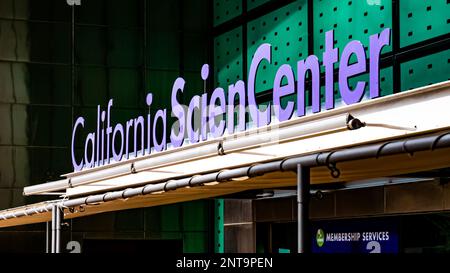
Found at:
[59, 217]
[53, 229]
[303, 179]
[47, 237]
[56, 228]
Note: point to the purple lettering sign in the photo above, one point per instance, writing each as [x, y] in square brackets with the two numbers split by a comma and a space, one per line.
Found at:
[226, 111]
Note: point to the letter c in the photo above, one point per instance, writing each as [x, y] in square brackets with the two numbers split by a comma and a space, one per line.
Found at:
[260, 117]
[76, 167]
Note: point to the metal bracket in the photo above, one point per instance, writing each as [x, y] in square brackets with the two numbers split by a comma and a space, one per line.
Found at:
[334, 171]
[220, 150]
[132, 169]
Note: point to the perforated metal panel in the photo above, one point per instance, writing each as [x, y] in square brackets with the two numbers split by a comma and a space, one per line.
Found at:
[350, 20]
[386, 86]
[422, 20]
[251, 4]
[228, 57]
[386, 82]
[225, 10]
[426, 70]
[287, 31]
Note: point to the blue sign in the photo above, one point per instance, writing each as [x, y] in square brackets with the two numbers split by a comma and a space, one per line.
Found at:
[355, 236]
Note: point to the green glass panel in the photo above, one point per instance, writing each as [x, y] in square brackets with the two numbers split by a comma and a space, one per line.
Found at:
[129, 220]
[170, 235]
[37, 125]
[228, 58]
[386, 84]
[195, 216]
[170, 218]
[159, 83]
[90, 45]
[125, 47]
[125, 87]
[286, 29]
[251, 4]
[92, 86]
[152, 219]
[195, 242]
[422, 20]
[225, 10]
[162, 50]
[350, 20]
[426, 70]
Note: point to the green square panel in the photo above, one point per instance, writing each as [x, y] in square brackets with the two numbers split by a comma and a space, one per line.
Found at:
[170, 218]
[286, 29]
[159, 83]
[125, 47]
[422, 20]
[129, 220]
[152, 219]
[225, 10]
[386, 88]
[251, 4]
[195, 216]
[386, 82]
[36, 125]
[426, 70]
[92, 86]
[194, 52]
[91, 12]
[120, 15]
[228, 57]
[125, 87]
[168, 235]
[350, 20]
[90, 45]
[195, 242]
[162, 51]
[194, 86]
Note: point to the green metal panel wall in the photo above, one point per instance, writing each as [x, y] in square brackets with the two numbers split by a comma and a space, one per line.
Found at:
[286, 30]
[350, 20]
[426, 70]
[251, 4]
[228, 57]
[422, 20]
[225, 10]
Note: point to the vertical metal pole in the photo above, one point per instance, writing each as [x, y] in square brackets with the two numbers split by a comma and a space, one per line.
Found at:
[53, 229]
[47, 237]
[56, 228]
[59, 217]
[303, 178]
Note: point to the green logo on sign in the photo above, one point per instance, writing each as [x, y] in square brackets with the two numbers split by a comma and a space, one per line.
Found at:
[320, 237]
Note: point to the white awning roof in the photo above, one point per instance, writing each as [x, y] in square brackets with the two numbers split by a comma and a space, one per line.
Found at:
[390, 122]
[409, 113]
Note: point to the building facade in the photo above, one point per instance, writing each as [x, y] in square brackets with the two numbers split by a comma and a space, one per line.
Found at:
[59, 61]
